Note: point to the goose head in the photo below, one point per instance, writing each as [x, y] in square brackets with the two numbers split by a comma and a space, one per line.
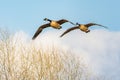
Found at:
[77, 24]
[46, 19]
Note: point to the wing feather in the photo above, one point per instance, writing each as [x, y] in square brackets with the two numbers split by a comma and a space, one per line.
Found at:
[92, 24]
[68, 30]
[39, 30]
[63, 21]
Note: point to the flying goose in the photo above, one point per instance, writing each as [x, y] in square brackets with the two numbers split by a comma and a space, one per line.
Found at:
[82, 27]
[52, 23]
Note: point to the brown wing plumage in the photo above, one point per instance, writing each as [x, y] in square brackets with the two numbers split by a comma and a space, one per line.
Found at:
[92, 24]
[39, 30]
[63, 21]
[70, 29]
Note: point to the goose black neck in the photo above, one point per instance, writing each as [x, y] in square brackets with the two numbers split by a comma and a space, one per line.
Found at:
[49, 20]
[46, 19]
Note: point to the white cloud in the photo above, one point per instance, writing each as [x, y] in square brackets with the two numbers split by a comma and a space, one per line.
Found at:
[99, 48]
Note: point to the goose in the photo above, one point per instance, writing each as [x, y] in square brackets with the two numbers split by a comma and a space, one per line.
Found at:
[82, 27]
[52, 23]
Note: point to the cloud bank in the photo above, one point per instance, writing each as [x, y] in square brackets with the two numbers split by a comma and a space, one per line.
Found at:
[100, 49]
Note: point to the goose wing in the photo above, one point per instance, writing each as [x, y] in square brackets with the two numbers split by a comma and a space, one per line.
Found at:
[63, 21]
[68, 30]
[92, 24]
[39, 30]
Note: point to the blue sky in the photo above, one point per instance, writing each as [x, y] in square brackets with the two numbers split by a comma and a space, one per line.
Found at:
[28, 15]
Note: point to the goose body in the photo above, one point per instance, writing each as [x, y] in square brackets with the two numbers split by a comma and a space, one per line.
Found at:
[55, 25]
[82, 27]
[52, 23]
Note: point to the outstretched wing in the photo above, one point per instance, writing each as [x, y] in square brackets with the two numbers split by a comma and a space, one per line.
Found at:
[92, 24]
[68, 30]
[63, 21]
[39, 30]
